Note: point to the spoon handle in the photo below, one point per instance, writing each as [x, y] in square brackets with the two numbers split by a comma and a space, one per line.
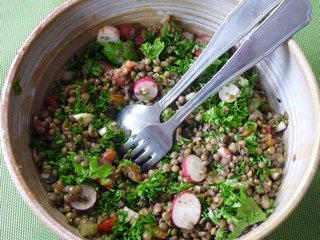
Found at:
[287, 19]
[243, 18]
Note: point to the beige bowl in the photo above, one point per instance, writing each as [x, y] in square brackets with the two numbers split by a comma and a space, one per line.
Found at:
[286, 76]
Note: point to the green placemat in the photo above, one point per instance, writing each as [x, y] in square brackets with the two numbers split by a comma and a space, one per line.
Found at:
[17, 221]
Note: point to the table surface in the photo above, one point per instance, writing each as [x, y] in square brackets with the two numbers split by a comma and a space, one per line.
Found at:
[17, 221]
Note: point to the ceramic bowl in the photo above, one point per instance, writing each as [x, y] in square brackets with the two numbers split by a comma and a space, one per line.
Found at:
[286, 77]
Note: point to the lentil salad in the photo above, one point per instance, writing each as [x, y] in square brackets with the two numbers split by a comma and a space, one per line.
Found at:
[76, 141]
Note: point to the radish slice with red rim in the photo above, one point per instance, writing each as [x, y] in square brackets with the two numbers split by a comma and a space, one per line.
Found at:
[186, 210]
[145, 89]
[87, 199]
[193, 168]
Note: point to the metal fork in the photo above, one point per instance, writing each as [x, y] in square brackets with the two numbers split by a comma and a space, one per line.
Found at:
[241, 21]
[154, 141]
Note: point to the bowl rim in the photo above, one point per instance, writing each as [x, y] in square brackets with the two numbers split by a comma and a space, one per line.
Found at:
[28, 195]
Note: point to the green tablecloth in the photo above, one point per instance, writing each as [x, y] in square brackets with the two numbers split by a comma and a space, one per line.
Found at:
[17, 221]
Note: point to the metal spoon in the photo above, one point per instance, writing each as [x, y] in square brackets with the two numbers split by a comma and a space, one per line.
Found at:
[153, 142]
[241, 21]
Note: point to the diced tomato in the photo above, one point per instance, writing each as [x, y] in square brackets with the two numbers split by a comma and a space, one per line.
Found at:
[126, 31]
[138, 41]
[107, 225]
[51, 101]
[108, 156]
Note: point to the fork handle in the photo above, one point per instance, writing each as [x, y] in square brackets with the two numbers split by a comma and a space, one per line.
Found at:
[286, 19]
[246, 15]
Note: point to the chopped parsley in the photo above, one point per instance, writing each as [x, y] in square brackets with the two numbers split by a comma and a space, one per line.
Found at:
[75, 173]
[124, 230]
[153, 51]
[76, 129]
[119, 52]
[108, 201]
[93, 67]
[236, 207]
[152, 188]
[230, 115]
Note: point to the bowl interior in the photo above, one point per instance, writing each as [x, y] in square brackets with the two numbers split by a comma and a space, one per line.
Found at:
[285, 75]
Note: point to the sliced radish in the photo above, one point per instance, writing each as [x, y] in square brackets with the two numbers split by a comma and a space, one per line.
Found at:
[108, 34]
[145, 89]
[84, 118]
[186, 210]
[131, 214]
[86, 200]
[229, 93]
[193, 168]
[280, 127]
[224, 152]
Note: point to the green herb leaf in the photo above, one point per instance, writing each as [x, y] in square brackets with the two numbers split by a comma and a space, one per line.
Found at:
[153, 50]
[119, 52]
[167, 114]
[92, 172]
[125, 163]
[252, 143]
[248, 213]
[240, 227]
[169, 28]
[215, 67]
[180, 66]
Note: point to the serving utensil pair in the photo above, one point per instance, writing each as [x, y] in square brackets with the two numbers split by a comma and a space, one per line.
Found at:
[261, 25]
